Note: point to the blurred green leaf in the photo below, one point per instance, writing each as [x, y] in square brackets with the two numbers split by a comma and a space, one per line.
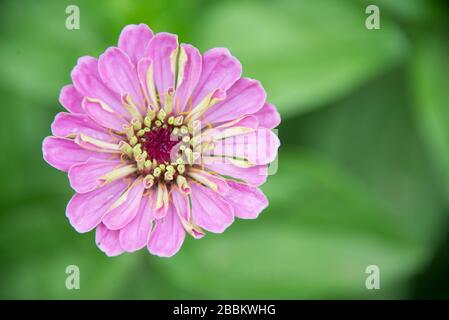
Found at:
[290, 262]
[372, 134]
[315, 241]
[430, 80]
[408, 10]
[38, 52]
[324, 195]
[38, 258]
[38, 244]
[305, 53]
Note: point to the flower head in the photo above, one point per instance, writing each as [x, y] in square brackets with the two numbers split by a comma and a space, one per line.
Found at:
[160, 141]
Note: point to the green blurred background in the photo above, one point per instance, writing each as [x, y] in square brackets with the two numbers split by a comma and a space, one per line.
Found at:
[363, 169]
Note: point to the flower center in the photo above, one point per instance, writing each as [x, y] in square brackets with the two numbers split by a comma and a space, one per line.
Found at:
[158, 143]
[161, 146]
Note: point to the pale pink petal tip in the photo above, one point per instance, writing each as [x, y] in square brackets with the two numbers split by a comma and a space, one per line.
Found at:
[168, 236]
[71, 99]
[108, 241]
[248, 202]
[268, 116]
[85, 211]
[134, 39]
[64, 153]
[209, 210]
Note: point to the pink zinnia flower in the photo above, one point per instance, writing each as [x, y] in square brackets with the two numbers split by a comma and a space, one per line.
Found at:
[160, 141]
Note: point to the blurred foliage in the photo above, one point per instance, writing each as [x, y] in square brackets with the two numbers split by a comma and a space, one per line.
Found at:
[363, 170]
[286, 44]
[430, 76]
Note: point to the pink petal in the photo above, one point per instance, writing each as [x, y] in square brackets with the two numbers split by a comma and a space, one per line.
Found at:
[182, 207]
[181, 204]
[258, 147]
[119, 73]
[219, 71]
[249, 122]
[160, 191]
[142, 70]
[246, 96]
[136, 234]
[268, 116]
[191, 76]
[71, 99]
[159, 50]
[134, 39]
[255, 176]
[70, 125]
[86, 210]
[87, 81]
[63, 153]
[85, 177]
[248, 202]
[209, 210]
[167, 236]
[104, 116]
[120, 216]
[217, 181]
[108, 241]
[85, 142]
